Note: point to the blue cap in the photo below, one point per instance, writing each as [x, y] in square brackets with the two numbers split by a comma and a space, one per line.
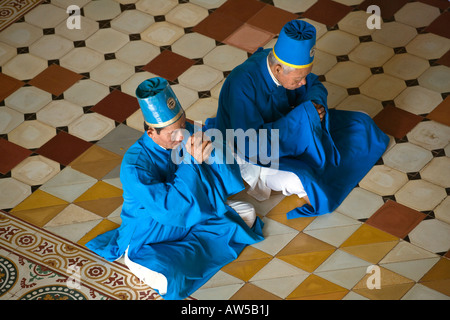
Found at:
[296, 44]
[158, 102]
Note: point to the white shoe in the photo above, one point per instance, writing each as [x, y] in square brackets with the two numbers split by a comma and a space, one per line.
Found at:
[245, 210]
[151, 278]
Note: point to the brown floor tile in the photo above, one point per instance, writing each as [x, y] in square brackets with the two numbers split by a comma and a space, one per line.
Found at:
[249, 38]
[55, 79]
[8, 85]
[438, 277]
[396, 219]
[217, 26]
[387, 7]
[442, 112]
[251, 292]
[117, 106]
[271, 19]
[242, 10]
[11, 155]
[315, 286]
[96, 162]
[440, 26]
[64, 148]
[441, 4]
[169, 65]
[445, 59]
[327, 12]
[395, 121]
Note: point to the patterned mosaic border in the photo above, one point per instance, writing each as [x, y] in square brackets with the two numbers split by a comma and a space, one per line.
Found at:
[12, 10]
[71, 260]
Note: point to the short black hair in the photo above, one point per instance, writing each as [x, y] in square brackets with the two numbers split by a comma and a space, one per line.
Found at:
[146, 127]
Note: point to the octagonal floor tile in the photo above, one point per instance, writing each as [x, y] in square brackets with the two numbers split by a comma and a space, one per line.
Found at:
[407, 157]
[51, 47]
[420, 195]
[13, 192]
[337, 42]
[107, 40]
[225, 58]
[371, 54]
[200, 77]
[432, 235]
[132, 21]
[162, 34]
[89, 28]
[102, 10]
[437, 171]
[81, 60]
[348, 74]
[31, 134]
[394, 34]
[406, 66]
[35, 170]
[59, 113]
[382, 87]
[28, 99]
[112, 72]
[430, 135]
[91, 127]
[20, 35]
[24, 66]
[186, 15]
[428, 46]
[418, 100]
[383, 180]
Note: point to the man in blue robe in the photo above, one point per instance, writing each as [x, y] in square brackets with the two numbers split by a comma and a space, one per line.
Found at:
[321, 154]
[178, 229]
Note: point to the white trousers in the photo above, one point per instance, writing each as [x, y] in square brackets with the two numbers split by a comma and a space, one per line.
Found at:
[263, 180]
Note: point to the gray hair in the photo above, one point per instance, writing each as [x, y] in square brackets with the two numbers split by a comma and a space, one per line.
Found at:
[273, 61]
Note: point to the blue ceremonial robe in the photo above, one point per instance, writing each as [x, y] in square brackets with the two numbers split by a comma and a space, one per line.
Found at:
[330, 156]
[175, 220]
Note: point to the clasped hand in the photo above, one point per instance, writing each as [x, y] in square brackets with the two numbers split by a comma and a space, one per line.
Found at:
[320, 110]
[199, 146]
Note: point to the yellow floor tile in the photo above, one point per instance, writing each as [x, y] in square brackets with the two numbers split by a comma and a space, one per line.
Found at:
[315, 286]
[366, 235]
[393, 292]
[372, 252]
[297, 223]
[251, 253]
[303, 243]
[101, 228]
[100, 190]
[39, 199]
[102, 207]
[39, 216]
[251, 292]
[245, 270]
[438, 277]
[392, 286]
[96, 162]
[307, 261]
[287, 204]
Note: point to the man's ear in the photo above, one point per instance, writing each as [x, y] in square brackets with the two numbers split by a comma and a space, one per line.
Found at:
[151, 132]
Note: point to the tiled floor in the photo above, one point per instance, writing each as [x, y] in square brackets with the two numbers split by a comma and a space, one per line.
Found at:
[68, 115]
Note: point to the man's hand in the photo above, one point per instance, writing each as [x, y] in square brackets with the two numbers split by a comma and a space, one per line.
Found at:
[199, 146]
[320, 110]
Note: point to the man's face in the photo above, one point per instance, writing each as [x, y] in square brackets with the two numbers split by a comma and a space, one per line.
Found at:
[171, 136]
[292, 80]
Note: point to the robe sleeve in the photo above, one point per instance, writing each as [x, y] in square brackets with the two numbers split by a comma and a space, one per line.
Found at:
[180, 202]
[300, 131]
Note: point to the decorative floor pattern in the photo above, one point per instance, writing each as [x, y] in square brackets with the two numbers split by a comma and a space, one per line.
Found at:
[68, 115]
